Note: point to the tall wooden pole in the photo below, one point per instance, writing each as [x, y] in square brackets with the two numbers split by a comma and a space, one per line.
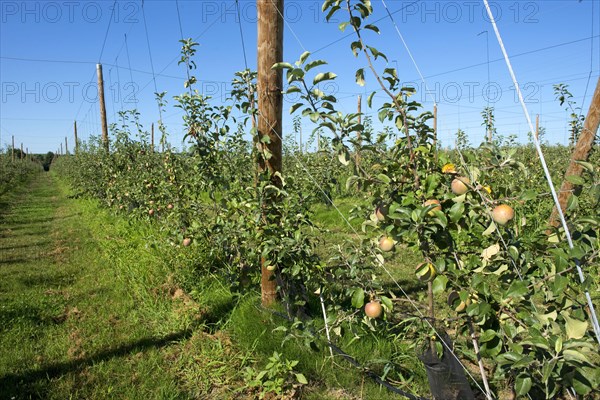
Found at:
[537, 127]
[21, 155]
[61, 149]
[581, 152]
[13, 148]
[152, 137]
[102, 106]
[270, 106]
[27, 152]
[66, 146]
[75, 134]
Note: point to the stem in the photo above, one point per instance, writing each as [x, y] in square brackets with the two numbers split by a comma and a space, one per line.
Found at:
[488, 393]
[399, 108]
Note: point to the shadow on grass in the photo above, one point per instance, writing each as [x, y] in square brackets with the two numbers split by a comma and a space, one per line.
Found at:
[20, 385]
[35, 222]
[24, 246]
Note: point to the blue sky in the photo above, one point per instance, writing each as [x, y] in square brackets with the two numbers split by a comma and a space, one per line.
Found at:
[48, 52]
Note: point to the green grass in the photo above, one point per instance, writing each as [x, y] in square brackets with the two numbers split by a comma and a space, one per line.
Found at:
[92, 306]
[87, 310]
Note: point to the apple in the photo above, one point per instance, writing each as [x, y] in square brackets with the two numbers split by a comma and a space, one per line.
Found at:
[381, 212]
[151, 212]
[386, 243]
[271, 267]
[373, 309]
[433, 202]
[460, 186]
[425, 272]
[502, 214]
[187, 242]
[169, 206]
[456, 303]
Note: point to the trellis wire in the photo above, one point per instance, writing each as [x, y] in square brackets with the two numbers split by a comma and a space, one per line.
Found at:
[563, 221]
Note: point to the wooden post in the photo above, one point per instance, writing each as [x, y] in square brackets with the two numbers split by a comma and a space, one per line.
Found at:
[75, 134]
[61, 149]
[13, 148]
[152, 137]
[102, 106]
[66, 146]
[21, 155]
[581, 152]
[537, 127]
[358, 134]
[270, 106]
[27, 153]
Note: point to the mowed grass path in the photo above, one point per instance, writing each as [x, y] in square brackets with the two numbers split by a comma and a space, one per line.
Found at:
[75, 324]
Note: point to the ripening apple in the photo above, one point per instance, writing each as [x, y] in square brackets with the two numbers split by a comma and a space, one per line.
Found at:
[502, 214]
[386, 243]
[460, 186]
[425, 272]
[456, 302]
[187, 242]
[169, 206]
[431, 202]
[151, 212]
[373, 309]
[381, 212]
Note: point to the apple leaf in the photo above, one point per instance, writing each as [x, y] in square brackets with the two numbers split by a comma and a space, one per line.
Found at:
[370, 99]
[575, 356]
[491, 251]
[575, 329]
[358, 298]
[387, 303]
[324, 76]
[572, 203]
[314, 64]
[456, 212]
[575, 179]
[351, 181]
[523, 384]
[344, 157]
[490, 229]
[384, 178]
[303, 57]
[439, 284]
[517, 289]
[360, 77]
[282, 65]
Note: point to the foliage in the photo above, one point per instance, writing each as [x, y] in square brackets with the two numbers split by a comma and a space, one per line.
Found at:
[513, 285]
[277, 378]
[14, 173]
[561, 91]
